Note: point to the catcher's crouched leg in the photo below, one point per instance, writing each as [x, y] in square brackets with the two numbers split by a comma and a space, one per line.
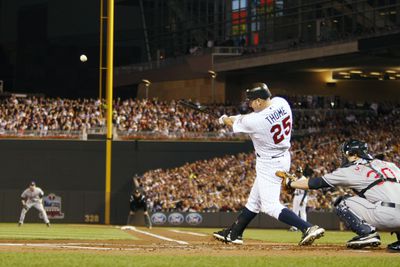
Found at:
[367, 235]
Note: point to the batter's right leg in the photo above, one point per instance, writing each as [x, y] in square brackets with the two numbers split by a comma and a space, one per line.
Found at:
[271, 205]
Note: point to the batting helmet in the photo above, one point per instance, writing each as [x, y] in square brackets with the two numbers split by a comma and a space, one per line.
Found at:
[356, 147]
[259, 90]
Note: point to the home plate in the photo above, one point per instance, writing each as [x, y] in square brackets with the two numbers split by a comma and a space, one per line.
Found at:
[128, 227]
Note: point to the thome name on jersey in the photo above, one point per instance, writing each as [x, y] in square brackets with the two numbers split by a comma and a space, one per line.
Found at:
[270, 129]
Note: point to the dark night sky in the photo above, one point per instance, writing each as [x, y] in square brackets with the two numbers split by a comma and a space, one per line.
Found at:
[41, 41]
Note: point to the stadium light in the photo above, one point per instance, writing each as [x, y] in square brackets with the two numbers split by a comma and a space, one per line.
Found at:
[213, 75]
[147, 84]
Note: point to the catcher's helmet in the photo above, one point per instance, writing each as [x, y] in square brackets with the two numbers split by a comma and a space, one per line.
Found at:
[259, 90]
[356, 147]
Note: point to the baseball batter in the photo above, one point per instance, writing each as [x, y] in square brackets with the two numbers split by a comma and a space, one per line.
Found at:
[269, 128]
[32, 197]
[377, 204]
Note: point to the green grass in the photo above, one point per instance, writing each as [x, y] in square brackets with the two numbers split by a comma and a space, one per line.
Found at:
[284, 236]
[128, 258]
[79, 259]
[62, 231]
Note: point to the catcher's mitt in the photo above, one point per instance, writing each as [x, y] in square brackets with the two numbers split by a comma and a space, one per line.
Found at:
[287, 179]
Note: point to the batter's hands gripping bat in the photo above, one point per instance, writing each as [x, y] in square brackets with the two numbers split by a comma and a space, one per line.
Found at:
[199, 108]
[287, 179]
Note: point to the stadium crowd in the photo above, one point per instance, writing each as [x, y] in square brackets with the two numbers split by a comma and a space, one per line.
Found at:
[219, 184]
[223, 184]
[164, 118]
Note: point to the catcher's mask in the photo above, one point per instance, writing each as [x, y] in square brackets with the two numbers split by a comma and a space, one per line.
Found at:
[354, 148]
[259, 90]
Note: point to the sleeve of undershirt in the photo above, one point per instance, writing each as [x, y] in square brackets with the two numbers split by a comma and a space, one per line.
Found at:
[317, 182]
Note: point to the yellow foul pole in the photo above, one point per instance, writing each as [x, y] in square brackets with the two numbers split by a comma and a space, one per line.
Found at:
[101, 51]
[109, 88]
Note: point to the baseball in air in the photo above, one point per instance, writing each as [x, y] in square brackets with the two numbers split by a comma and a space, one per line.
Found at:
[83, 58]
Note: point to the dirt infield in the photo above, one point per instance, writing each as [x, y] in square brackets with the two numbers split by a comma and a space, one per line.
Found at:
[184, 243]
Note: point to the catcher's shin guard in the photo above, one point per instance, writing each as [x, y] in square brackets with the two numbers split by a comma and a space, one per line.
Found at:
[352, 221]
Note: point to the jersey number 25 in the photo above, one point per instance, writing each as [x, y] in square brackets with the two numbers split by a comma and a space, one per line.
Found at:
[276, 130]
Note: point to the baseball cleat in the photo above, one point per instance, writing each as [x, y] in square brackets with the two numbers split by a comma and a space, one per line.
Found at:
[221, 235]
[394, 247]
[48, 224]
[19, 224]
[370, 240]
[237, 241]
[225, 236]
[312, 233]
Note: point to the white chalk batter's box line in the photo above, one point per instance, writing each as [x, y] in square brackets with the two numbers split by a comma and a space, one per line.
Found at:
[44, 245]
[132, 228]
[187, 233]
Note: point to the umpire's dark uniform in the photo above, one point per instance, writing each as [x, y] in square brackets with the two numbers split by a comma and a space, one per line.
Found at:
[137, 202]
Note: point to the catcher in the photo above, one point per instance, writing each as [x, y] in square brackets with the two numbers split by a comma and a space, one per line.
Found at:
[377, 204]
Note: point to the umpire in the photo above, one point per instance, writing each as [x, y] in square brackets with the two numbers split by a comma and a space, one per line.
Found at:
[137, 202]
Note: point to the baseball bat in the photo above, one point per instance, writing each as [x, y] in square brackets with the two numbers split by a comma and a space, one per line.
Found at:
[196, 107]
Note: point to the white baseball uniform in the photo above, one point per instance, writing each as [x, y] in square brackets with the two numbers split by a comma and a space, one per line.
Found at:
[270, 131]
[300, 203]
[33, 199]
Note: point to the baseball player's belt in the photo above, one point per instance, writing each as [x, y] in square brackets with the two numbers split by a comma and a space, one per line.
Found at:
[272, 157]
[390, 205]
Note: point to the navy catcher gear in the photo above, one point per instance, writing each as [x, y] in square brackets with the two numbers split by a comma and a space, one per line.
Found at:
[259, 90]
[356, 147]
[351, 220]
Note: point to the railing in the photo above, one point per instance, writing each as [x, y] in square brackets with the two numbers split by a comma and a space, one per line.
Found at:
[208, 136]
[120, 135]
[40, 134]
[143, 135]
